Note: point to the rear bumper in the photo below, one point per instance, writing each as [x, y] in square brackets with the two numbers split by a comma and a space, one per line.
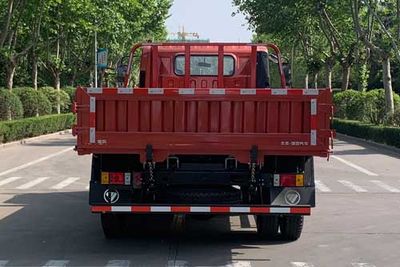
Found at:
[203, 209]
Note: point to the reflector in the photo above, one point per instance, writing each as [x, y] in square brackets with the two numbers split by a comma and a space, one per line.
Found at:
[105, 179]
[128, 178]
[299, 179]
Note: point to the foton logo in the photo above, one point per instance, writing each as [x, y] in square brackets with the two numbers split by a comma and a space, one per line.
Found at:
[111, 196]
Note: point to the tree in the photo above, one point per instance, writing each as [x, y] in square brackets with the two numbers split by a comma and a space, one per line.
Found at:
[322, 28]
[336, 25]
[293, 22]
[19, 33]
[53, 39]
[383, 44]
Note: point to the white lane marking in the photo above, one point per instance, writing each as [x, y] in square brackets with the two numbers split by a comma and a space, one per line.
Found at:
[33, 183]
[239, 264]
[65, 183]
[301, 264]
[23, 166]
[118, 263]
[177, 263]
[235, 223]
[252, 220]
[56, 263]
[3, 263]
[180, 263]
[362, 264]
[352, 186]
[385, 186]
[358, 168]
[321, 186]
[9, 180]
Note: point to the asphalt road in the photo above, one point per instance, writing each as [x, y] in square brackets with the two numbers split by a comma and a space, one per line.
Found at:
[45, 218]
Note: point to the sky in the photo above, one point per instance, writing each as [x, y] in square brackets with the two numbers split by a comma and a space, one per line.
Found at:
[211, 19]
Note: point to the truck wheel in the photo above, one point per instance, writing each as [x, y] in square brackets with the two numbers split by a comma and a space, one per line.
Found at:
[291, 227]
[267, 226]
[113, 225]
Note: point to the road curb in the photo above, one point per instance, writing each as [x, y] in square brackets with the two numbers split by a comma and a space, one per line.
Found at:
[34, 139]
[361, 141]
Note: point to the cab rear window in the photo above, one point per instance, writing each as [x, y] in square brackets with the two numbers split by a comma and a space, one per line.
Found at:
[204, 65]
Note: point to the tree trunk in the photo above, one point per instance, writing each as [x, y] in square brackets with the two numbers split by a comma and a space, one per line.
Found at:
[345, 76]
[292, 59]
[57, 82]
[316, 80]
[35, 75]
[329, 76]
[34, 72]
[57, 74]
[6, 24]
[387, 84]
[398, 20]
[57, 86]
[362, 76]
[73, 78]
[306, 81]
[12, 66]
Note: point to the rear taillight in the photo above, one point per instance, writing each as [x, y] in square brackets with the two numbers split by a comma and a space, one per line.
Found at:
[117, 178]
[288, 179]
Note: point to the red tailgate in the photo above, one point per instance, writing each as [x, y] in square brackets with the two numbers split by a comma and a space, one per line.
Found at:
[203, 121]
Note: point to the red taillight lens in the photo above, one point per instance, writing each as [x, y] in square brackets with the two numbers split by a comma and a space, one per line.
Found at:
[287, 180]
[117, 178]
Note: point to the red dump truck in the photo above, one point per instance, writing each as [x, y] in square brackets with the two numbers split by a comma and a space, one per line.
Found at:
[204, 133]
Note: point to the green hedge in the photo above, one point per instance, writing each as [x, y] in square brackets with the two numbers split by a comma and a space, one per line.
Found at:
[394, 119]
[34, 101]
[52, 94]
[29, 127]
[363, 106]
[10, 105]
[70, 91]
[380, 134]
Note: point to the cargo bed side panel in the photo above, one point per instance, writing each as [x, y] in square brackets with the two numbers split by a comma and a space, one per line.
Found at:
[204, 122]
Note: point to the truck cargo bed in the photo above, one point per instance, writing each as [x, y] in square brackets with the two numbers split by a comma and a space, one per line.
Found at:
[203, 121]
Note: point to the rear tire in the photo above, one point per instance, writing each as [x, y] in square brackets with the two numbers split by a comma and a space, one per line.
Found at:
[113, 225]
[267, 226]
[291, 227]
